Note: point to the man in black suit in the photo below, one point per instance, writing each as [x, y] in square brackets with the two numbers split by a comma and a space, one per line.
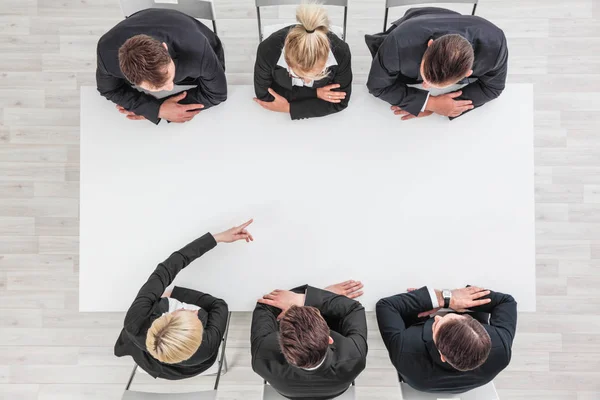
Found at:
[319, 345]
[454, 353]
[437, 48]
[155, 49]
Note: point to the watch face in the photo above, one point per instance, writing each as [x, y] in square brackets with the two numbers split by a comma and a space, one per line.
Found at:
[446, 293]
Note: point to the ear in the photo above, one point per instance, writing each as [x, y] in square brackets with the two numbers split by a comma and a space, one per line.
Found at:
[442, 357]
[330, 340]
[437, 318]
[429, 43]
[165, 46]
[469, 73]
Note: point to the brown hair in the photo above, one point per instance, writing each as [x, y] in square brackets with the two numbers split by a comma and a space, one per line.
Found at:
[174, 337]
[303, 336]
[464, 343]
[307, 43]
[447, 60]
[143, 58]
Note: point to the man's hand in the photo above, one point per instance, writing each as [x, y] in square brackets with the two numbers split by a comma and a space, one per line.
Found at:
[406, 115]
[130, 114]
[172, 111]
[328, 94]
[469, 297]
[446, 105]
[280, 104]
[167, 293]
[283, 299]
[350, 289]
[234, 234]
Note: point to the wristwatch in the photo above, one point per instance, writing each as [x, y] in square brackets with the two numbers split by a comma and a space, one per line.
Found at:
[447, 295]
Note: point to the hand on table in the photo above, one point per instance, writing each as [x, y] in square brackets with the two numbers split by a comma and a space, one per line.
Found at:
[406, 115]
[283, 299]
[130, 114]
[234, 234]
[172, 111]
[328, 94]
[279, 104]
[446, 105]
[351, 289]
[468, 297]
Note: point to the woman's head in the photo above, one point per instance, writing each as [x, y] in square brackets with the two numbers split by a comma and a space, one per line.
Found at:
[307, 45]
[175, 337]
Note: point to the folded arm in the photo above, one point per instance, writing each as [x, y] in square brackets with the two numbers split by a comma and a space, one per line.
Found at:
[120, 92]
[212, 83]
[383, 80]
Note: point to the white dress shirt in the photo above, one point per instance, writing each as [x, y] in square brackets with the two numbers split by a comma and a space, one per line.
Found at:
[296, 81]
[175, 305]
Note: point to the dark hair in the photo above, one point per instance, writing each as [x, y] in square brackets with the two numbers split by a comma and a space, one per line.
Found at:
[143, 58]
[303, 336]
[447, 59]
[464, 343]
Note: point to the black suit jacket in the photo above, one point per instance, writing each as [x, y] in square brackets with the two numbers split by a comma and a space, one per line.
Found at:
[195, 50]
[399, 51]
[148, 306]
[304, 102]
[409, 340]
[345, 360]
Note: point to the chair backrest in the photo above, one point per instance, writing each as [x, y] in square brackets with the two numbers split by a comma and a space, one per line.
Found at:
[271, 394]
[201, 9]
[398, 3]
[264, 3]
[132, 395]
[485, 392]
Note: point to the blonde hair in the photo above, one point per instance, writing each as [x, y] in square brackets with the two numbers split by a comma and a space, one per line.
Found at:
[174, 337]
[307, 43]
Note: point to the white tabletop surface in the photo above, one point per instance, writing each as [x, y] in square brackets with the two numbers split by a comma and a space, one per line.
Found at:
[355, 195]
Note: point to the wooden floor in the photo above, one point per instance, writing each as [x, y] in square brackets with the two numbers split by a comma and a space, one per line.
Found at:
[48, 350]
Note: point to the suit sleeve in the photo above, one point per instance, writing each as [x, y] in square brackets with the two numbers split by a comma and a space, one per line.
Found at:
[120, 92]
[395, 314]
[264, 324]
[383, 79]
[349, 313]
[303, 106]
[263, 77]
[164, 274]
[212, 83]
[217, 311]
[503, 316]
[490, 85]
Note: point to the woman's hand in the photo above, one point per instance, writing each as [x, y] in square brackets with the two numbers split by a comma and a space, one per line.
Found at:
[326, 93]
[279, 104]
[234, 234]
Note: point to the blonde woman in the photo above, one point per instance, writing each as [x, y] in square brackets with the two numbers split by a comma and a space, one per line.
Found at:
[177, 335]
[304, 69]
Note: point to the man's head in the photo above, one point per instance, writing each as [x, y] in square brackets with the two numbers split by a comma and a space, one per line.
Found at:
[175, 337]
[304, 336]
[446, 61]
[146, 63]
[462, 341]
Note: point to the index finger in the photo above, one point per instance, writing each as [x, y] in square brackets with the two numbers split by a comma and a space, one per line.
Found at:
[479, 302]
[245, 224]
[188, 107]
[463, 102]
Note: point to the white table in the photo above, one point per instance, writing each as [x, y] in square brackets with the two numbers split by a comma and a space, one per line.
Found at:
[359, 194]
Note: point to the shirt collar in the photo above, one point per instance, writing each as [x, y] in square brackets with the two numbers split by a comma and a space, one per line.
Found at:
[330, 60]
[318, 366]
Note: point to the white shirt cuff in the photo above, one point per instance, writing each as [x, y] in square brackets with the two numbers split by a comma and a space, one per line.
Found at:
[434, 299]
[425, 104]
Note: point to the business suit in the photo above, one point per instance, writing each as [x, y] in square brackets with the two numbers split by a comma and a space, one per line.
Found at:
[345, 359]
[397, 56]
[148, 306]
[195, 50]
[409, 341]
[303, 100]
